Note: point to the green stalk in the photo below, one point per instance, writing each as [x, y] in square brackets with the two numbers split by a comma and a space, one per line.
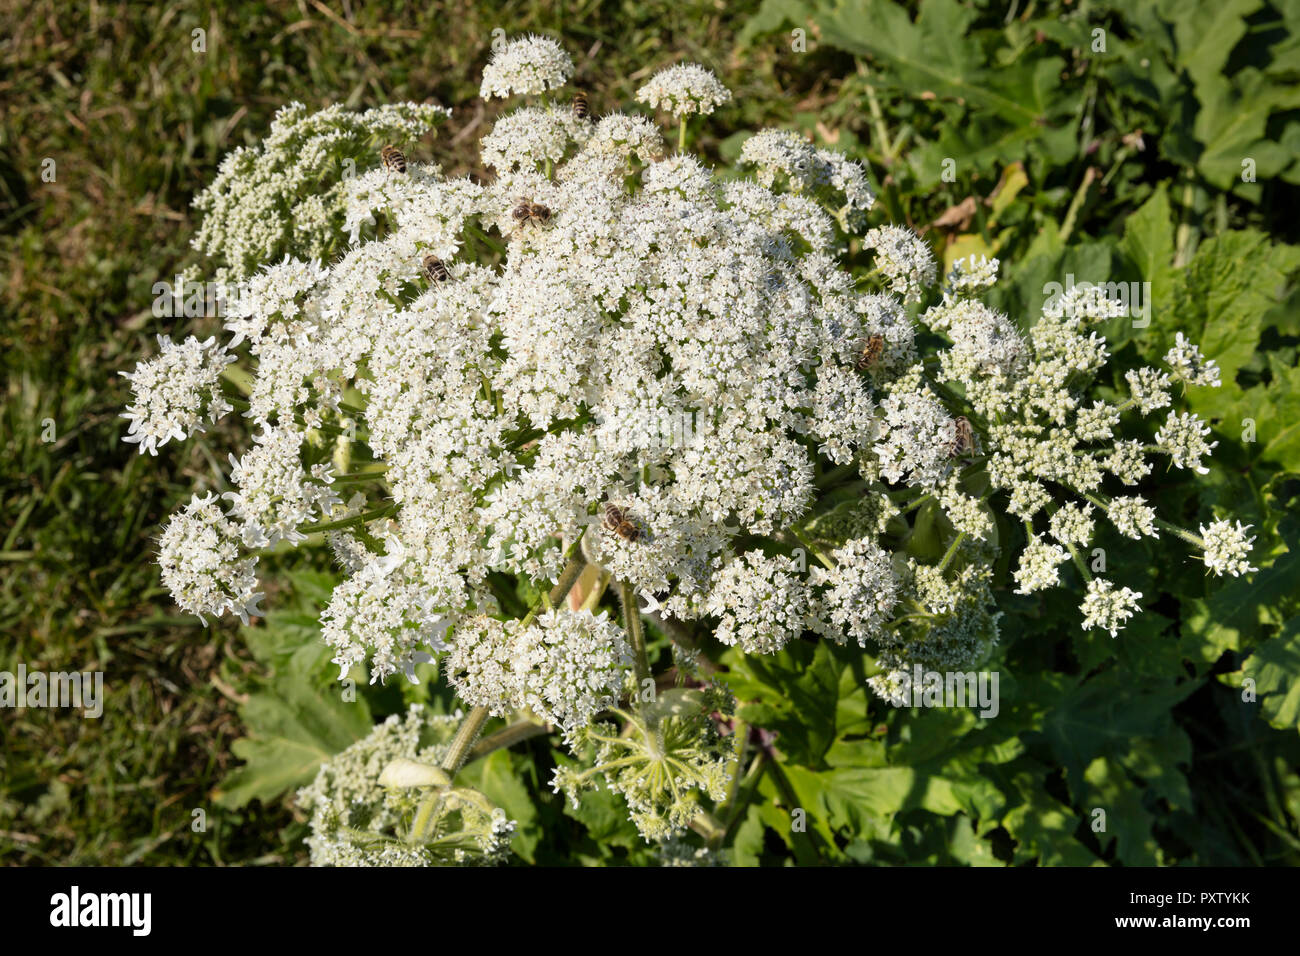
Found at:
[635, 633]
[468, 732]
[952, 551]
[1079, 562]
[357, 477]
[507, 737]
[826, 562]
[344, 523]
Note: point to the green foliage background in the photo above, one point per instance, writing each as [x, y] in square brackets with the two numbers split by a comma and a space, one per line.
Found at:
[1115, 163]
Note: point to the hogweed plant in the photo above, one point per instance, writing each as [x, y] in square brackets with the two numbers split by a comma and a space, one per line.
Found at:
[459, 386]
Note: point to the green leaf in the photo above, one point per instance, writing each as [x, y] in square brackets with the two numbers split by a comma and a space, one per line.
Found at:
[1235, 615]
[1100, 718]
[292, 729]
[934, 54]
[1275, 668]
[1149, 242]
[1128, 822]
[498, 779]
[794, 693]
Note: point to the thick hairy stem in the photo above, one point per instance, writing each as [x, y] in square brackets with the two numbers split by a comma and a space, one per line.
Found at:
[708, 826]
[808, 546]
[635, 633]
[469, 730]
[508, 737]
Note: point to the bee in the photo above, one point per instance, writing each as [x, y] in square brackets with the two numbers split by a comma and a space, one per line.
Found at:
[871, 352]
[529, 211]
[963, 439]
[580, 105]
[435, 269]
[616, 521]
[394, 159]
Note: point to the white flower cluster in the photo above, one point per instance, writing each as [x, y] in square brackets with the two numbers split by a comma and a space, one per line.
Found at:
[566, 667]
[526, 66]
[684, 89]
[1227, 549]
[856, 597]
[761, 603]
[452, 381]
[1190, 365]
[1107, 608]
[203, 565]
[302, 167]
[781, 156]
[904, 259]
[173, 394]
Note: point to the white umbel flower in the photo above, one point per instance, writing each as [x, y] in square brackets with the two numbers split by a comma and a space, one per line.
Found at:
[1072, 524]
[1038, 567]
[202, 564]
[856, 598]
[1227, 548]
[684, 89]
[526, 138]
[1190, 365]
[1150, 389]
[972, 274]
[567, 667]
[1106, 608]
[1132, 516]
[175, 393]
[1182, 438]
[761, 603]
[524, 67]
[903, 258]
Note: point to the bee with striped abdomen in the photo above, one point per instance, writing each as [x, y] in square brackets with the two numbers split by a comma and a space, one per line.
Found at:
[529, 211]
[435, 269]
[871, 352]
[963, 439]
[616, 521]
[394, 159]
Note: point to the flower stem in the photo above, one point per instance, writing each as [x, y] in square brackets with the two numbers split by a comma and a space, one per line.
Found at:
[1193, 539]
[564, 584]
[484, 238]
[952, 551]
[357, 477]
[507, 737]
[469, 730]
[635, 633]
[708, 826]
[352, 522]
[1079, 563]
[826, 562]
